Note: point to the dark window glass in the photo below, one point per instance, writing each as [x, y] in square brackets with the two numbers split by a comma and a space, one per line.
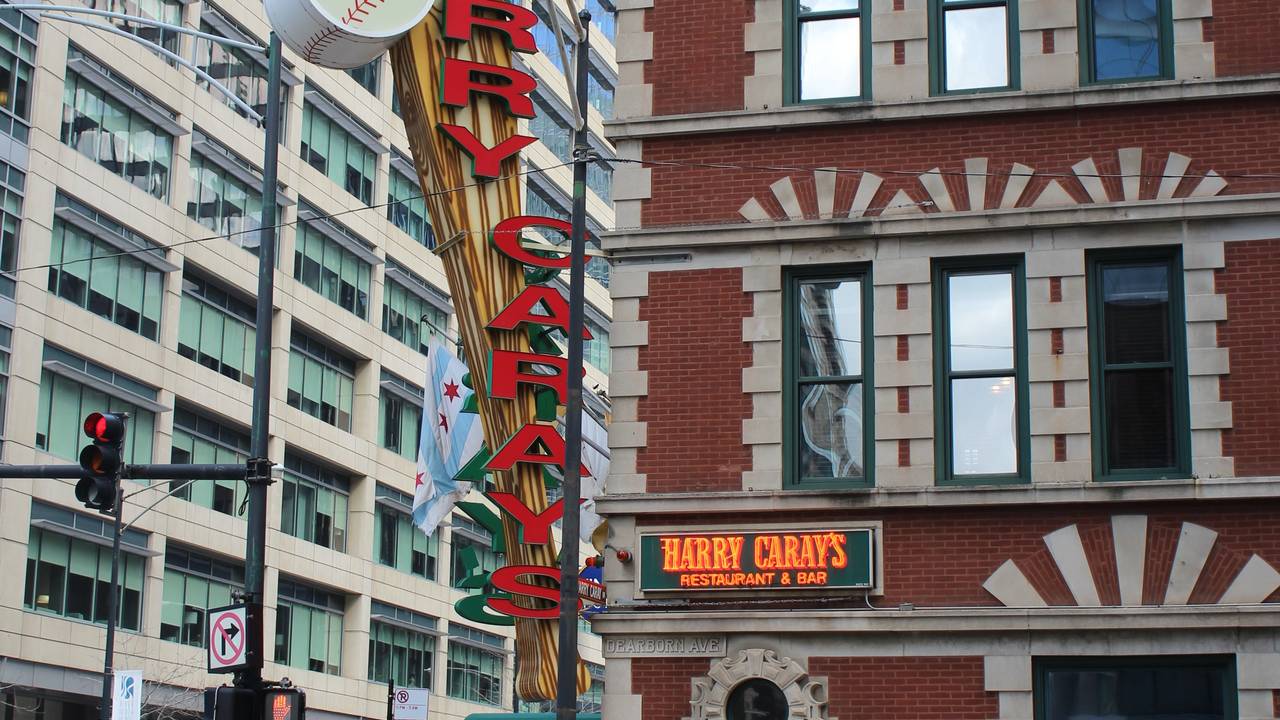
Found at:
[1126, 40]
[1136, 690]
[757, 699]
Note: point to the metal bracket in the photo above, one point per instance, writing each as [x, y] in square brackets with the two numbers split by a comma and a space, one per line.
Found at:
[258, 470]
[585, 154]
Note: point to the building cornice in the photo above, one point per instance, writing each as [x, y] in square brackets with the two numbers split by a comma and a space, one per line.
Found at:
[799, 501]
[934, 108]
[674, 238]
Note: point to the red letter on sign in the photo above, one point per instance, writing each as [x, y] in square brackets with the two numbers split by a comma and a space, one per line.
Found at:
[521, 310]
[536, 528]
[507, 579]
[460, 80]
[505, 373]
[485, 161]
[460, 18]
[506, 237]
[526, 446]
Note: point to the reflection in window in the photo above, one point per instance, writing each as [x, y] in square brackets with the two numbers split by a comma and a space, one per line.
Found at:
[974, 38]
[315, 503]
[309, 628]
[71, 578]
[193, 583]
[980, 373]
[599, 91]
[398, 653]
[17, 63]
[1126, 39]
[13, 183]
[223, 202]
[168, 11]
[407, 315]
[116, 137]
[826, 320]
[366, 76]
[1168, 688]
[757, 699]
[407, 208]
[830, 49]
[470, 550]
[474, 673]
[1138, 366]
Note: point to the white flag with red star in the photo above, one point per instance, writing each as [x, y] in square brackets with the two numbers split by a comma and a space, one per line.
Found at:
[449, 439]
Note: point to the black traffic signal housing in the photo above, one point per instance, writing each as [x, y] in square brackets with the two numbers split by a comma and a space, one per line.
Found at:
[102, 461]
[230, 703]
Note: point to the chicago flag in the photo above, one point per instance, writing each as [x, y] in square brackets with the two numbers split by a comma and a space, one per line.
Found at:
[448, 440]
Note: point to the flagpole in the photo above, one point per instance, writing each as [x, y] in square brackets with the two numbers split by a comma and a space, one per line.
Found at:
[567, 675]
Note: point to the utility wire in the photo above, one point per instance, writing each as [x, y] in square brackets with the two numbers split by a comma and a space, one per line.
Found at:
[277, 226]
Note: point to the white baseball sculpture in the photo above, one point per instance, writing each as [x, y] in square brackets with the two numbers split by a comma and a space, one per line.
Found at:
[343, 34]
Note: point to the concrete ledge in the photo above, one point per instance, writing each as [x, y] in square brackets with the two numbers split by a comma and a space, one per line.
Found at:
[995, 495]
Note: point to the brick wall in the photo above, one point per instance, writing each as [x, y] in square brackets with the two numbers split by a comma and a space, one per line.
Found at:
[941, 556]
[1250, 281]
[1243, 33]
[663, 685]
[1230, 137]
[906, 688]
[694, 358]
[698, 56]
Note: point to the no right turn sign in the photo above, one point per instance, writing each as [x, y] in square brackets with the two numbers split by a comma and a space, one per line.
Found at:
[228, 638]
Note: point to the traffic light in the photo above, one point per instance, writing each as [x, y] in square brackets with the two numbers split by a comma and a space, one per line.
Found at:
[284, 704]
[101, 461]
[230, 703]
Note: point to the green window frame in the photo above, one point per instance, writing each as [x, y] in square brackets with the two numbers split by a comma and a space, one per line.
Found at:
[17, 67]
[327, 147]
[97, 276]
[399, 417]
[327, 267]
[473, 672]
[823, 16]
[309, 627]
[321, 381]
[199, 438]
[1097, 66]
[314, 505]
[1201, 686]
[216, 328]
[193, 583]
[398, 543]
[13, 183]
[967, 14]
[64, 403]
[1103, 365]
[70, 576]
[402, 646]
[114, 135]
[818, 382]
[964, 364]
[407, 208]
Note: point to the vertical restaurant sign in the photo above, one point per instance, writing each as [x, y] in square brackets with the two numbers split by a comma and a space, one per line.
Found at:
[808, 559]
[461, 99]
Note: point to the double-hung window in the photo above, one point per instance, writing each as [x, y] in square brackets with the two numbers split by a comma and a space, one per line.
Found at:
[72, 387]
[69, 567]
[216, 328]
[309, 627]
[333, 261]
[17, 65]
[321, 381]
[315, 503]
[13, 183]
[400, 415]
[400, 544]
[973, 44]
[1138, 365]
[982, 414]
[474, 668]
[106, 268]
[198, 438]
[401, 646]
[116, 125]
[193, 583]
[827, 397]
[827, 48]
[1126, 40]
[1186, 687]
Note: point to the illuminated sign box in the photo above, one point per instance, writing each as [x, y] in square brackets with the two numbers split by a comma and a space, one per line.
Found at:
[767, 560]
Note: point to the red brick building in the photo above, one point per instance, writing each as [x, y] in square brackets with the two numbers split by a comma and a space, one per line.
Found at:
[946, 336]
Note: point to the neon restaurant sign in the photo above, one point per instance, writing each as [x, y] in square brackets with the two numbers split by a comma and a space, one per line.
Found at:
[461, 99]
[766, 560]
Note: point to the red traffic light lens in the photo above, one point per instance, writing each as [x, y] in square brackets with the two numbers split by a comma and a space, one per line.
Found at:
[104, 427]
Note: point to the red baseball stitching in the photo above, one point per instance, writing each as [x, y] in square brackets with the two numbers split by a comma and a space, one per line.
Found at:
[318, 41]
[360, 7]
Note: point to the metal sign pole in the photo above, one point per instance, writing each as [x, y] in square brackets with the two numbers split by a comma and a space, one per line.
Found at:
[567, 675]
[113, 608]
